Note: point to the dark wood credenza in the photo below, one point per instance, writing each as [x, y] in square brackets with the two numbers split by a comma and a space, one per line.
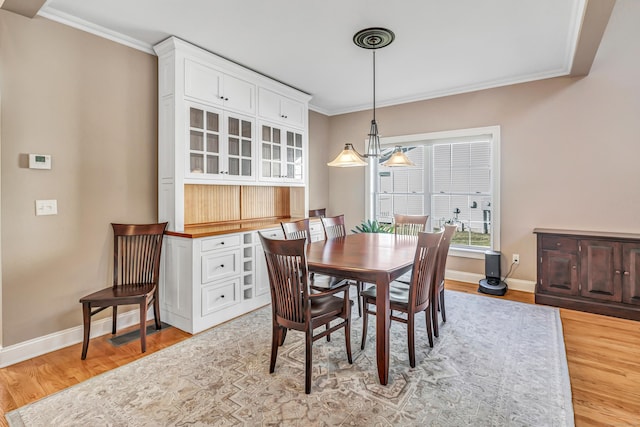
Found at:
[597, 272]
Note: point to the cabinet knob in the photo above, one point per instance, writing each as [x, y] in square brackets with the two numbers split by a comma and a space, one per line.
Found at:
[221, 266]
[574, 267]
[222, 296]
[618, 272]
[626, 273]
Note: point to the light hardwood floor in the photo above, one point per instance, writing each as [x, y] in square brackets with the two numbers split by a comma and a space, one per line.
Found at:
[603, 354]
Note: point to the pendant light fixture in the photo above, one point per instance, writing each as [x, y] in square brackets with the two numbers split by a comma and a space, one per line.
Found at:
[373, 39]
[398, 158]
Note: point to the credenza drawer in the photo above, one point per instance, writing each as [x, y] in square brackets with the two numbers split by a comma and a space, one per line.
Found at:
[218, 265]
[222, 242]
[219, 296]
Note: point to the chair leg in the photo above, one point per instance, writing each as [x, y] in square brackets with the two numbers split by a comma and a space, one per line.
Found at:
[308, 357]
[429, 331]
[282, 335]
[365, 322]
[359, 289]
[113, 321]
[86, 319]
[434, 316]
[410, 340]
[156, 312]
[347, 339]
[276, 337]
[444, 314]
[143, 326]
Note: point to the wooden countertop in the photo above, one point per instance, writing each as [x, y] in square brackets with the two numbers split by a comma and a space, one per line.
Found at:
[228, 227]
[582, 233]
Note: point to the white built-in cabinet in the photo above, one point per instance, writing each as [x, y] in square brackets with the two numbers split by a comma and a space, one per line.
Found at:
[206, 281]
[213, 120]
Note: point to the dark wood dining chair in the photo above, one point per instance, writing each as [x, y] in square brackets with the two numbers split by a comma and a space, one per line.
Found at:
[300, 229]
[295, 307]
[438, 277]
[413, 300]
[136, 266]
[317, 213]
[409, 224]
[335, 228]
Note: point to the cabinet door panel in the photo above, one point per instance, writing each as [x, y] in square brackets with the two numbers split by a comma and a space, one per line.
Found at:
[238, 94]
[202, 82]
[217, 297]
[600, 270]
[631, 274]
[261, 273]
[559, 272]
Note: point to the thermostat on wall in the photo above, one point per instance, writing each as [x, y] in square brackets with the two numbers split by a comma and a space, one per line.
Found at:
[39, 161]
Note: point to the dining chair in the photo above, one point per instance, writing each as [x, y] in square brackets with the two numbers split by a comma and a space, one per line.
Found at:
[335, 228]
[314, 213]
[295, 307]
[300, 229]
[136, 266]
[413, 300]
[438, 282]
[409, 224]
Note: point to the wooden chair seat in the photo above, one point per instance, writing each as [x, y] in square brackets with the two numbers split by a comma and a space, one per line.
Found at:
[120, 295]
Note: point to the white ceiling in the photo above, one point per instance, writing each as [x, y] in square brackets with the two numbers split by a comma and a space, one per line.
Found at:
[442, 47]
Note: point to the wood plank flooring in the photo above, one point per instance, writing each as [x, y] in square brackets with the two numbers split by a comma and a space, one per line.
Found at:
[603, 354]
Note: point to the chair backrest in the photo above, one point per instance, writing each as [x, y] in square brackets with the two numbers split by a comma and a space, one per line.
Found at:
[424, 264]
[288, 278]
[443, 251]
[317, 212]
[333, 227]
[410, 224]
[136, 253]
[296, 229]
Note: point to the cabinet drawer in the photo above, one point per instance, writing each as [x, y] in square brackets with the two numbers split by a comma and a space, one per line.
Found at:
[218, 265]
[273, 233]
[565, 244]
[217, 297]
[222, 242]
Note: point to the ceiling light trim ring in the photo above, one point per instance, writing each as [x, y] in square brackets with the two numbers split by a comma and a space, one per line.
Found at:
[374, 38]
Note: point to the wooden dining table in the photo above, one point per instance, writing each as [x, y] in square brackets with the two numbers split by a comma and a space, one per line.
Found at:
[376, 258]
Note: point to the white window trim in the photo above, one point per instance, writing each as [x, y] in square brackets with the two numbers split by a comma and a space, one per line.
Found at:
[433, 137]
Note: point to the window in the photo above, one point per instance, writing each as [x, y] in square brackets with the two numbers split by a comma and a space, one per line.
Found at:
[455, 181]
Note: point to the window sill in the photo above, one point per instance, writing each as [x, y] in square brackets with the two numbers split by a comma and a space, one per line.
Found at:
[467, 253]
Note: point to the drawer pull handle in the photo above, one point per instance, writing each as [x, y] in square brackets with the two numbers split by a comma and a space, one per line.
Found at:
[222, 296]
[618, 272]
[626, 273]
[221, 266]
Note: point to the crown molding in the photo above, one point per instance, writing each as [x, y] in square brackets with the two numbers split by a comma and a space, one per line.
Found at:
[89, 27]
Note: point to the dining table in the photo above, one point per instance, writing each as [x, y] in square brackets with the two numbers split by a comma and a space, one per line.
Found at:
[378, 258]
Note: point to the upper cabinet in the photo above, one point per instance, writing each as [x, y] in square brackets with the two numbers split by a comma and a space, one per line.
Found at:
[211, 119]
[275, 107]
[209, 85]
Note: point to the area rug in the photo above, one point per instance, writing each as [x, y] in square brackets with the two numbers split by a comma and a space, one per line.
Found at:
[496, 363]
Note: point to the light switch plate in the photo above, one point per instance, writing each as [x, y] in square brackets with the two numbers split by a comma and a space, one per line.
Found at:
[46, 207]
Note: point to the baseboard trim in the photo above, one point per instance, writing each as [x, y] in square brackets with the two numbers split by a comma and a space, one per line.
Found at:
[57, 340]
[515, 284]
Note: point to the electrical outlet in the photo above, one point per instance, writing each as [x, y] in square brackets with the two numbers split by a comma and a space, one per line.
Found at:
[516, 258]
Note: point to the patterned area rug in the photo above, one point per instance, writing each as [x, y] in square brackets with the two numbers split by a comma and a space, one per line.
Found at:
[496, 363]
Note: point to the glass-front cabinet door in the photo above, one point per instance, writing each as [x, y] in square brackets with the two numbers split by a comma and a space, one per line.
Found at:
[281, 154]
[204, 143]
[294, 155]
[271, 153]
[218, 152]
[239, 137]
